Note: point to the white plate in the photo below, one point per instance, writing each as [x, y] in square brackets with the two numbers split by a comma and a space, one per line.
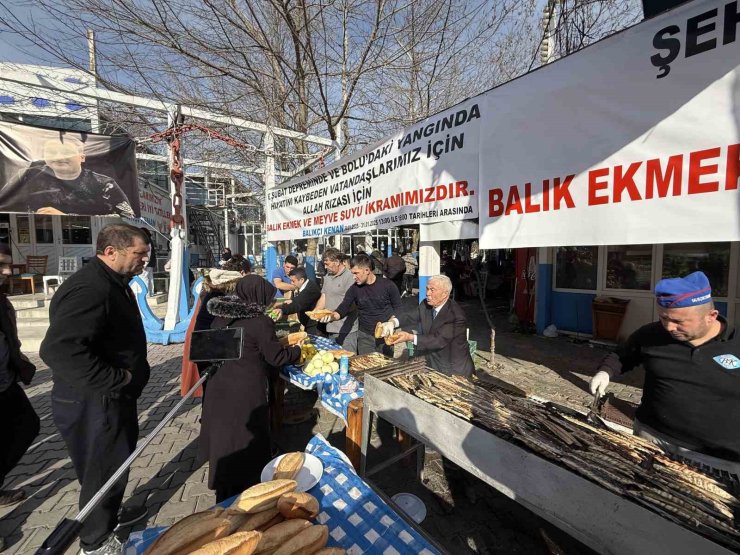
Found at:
[308, 476]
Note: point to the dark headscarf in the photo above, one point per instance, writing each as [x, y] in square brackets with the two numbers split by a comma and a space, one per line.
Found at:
[253, 289]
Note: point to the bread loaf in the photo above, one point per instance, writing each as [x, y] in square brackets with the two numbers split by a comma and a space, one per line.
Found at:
[293, 338]
[289, 466]
[241, 543]
[237, 517]
[331, 551]
[185, 531]
[307, 542]
[263, 496]
[298, 505]
[254, 521]
[378, 330]
[189, 534]
[274, 537]
[277, 519]
[319, 314]
[391, 338]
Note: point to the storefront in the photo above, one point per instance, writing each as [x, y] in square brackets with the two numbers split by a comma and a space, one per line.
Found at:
[569, 278]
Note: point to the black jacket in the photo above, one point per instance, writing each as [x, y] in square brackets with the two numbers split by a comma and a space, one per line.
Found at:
[95, 333]
[443, 340]
[303, 301]
[235, 426]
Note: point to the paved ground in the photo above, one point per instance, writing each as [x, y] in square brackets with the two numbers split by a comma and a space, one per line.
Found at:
[465, 515]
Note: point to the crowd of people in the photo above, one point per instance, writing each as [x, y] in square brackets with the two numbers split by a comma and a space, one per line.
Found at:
[96, 350]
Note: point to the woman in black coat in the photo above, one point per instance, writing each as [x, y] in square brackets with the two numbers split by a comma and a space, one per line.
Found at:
[235, 426]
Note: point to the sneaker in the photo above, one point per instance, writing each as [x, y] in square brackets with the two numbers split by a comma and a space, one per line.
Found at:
[112, 546]
[131, 515]
[11, 496]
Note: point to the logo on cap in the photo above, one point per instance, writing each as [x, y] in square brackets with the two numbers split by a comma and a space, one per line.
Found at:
[729, 362]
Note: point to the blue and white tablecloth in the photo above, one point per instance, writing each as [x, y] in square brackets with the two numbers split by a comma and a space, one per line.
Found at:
[326, 385]
[358, 519]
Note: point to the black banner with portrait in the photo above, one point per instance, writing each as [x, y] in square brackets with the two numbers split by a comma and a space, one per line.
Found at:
[52, 171]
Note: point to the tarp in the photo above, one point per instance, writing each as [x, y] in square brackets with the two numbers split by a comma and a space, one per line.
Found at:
[50, 171]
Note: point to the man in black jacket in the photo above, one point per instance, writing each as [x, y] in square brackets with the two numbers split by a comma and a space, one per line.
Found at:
[441, 330]
[20, 424]
[96, 349]
[305, 296]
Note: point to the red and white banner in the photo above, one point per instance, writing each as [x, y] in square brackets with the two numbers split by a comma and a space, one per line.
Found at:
[423, 174]
[632, 140]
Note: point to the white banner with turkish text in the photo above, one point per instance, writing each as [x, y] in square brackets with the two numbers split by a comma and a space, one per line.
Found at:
[426, 173]
[632, 140]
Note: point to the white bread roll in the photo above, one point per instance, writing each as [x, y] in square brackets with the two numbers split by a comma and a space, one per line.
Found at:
[263, 496]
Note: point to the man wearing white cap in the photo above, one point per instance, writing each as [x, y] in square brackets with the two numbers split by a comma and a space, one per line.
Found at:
[691, 398]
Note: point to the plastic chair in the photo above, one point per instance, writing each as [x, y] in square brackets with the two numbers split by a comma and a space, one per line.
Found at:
[68, 265]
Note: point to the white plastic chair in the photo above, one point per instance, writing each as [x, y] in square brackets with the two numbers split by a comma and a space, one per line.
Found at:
[68, 265]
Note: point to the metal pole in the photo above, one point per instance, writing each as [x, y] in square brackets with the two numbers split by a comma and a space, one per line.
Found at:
[178, 232]
[66, 531]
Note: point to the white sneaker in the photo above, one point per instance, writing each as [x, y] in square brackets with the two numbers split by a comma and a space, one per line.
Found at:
[112, 546]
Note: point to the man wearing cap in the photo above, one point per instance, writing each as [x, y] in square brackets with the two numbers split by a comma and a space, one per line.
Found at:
[691, 398]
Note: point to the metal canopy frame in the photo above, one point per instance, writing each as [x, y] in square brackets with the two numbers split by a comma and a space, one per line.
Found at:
[174, 326]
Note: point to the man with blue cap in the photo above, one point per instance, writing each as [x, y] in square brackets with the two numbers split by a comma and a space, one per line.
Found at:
[691, 398]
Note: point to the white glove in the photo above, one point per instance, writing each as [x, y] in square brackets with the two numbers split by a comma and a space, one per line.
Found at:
[327, 319]
[388, 328]
[599, 383]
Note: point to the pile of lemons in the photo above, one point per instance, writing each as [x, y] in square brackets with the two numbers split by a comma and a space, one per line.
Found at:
[322, 362]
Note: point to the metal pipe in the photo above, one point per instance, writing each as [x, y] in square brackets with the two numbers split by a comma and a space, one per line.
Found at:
[66, 531]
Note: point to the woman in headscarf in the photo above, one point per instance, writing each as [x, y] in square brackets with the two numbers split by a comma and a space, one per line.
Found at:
[235, 425]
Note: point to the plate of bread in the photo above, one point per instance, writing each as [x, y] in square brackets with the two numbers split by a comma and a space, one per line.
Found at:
[302, 467]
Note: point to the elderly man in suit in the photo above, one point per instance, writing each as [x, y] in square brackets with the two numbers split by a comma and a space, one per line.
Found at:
[441, 327]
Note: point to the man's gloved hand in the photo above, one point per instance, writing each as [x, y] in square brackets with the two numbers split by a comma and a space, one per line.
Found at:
[388, 328]
[599, 383]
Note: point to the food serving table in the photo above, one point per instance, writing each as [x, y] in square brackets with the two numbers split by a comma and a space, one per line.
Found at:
[358, 518]
[604, 521]
[326, 385]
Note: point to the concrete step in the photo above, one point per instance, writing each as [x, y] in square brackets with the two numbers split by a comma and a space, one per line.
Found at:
[21, 302]
[159, 298]
[33, 322]
[32, 313]
[31, 345]
[31, 337]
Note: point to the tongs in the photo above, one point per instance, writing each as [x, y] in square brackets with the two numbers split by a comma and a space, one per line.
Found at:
[593, 417]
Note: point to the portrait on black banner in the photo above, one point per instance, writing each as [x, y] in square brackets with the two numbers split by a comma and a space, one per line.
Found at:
[49, 171]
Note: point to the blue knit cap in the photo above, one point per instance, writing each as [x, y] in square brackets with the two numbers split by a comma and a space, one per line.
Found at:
[691, 290]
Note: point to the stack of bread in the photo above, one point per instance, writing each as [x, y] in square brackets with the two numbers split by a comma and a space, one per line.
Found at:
[266, 519]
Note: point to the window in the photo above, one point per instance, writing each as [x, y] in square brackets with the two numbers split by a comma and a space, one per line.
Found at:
[76, 230]
[576, 267]
[629, 267]
[22, 229]
[680, 259]
[44, 230]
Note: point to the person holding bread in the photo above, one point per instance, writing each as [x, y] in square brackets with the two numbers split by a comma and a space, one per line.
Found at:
[441, 330]
[235, 426]
[376, 298]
